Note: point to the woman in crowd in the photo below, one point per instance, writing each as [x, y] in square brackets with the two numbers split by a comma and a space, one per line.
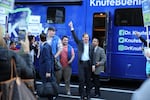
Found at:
[12, 46]
[23, 60]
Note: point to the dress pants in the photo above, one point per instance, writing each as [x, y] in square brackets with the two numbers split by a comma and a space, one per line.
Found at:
[96, 83]
[84, 78]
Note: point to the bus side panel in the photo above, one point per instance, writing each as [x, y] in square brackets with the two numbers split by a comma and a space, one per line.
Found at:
[123, 59]
[127, 52]
[128, 66]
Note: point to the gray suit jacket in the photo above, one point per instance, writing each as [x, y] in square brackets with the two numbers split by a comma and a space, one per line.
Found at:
[99, 56]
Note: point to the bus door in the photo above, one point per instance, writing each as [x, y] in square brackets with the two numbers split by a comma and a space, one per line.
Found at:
[100, 30]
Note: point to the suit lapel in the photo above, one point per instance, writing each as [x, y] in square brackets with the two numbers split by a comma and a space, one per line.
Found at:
[90, 50]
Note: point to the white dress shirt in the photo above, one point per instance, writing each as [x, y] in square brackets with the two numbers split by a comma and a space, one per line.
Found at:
[85, 54]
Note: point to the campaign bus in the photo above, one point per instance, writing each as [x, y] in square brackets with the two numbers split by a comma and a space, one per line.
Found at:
[113, 22]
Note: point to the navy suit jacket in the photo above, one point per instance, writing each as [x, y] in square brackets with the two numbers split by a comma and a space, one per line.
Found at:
[46, 61]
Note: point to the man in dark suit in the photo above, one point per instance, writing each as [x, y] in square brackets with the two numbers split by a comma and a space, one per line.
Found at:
[85, 51]
[55, 42]
[98, 63]
[46, 62]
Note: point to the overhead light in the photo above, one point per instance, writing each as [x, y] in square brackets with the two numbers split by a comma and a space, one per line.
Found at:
[101, 14]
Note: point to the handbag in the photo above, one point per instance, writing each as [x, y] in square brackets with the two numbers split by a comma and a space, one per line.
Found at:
[58, 65]
[15, 88]
[30, 84]
[48, 89]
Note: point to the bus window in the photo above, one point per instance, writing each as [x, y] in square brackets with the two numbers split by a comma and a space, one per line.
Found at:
[99, 28]
[128, 17]
[56, 15]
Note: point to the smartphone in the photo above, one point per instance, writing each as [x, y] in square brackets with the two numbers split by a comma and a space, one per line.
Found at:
[21, 35]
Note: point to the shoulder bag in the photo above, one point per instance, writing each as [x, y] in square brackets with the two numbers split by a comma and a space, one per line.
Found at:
[57, 65]
[15, 88]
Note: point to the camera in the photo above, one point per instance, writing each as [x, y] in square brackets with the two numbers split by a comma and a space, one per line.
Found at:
[21, 35]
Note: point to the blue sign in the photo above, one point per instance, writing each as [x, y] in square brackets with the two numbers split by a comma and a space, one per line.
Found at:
[18, 20]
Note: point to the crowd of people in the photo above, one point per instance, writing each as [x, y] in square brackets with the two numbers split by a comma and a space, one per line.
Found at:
[40, 56]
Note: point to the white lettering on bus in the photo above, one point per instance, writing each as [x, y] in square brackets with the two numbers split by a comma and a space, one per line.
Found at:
[141, 32]
[132, 48]
[127, 40]
[112, 3]
[115, 2]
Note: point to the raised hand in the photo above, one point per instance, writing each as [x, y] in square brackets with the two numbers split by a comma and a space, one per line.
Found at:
[70, 24]
[25, 44]
[137, 34]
